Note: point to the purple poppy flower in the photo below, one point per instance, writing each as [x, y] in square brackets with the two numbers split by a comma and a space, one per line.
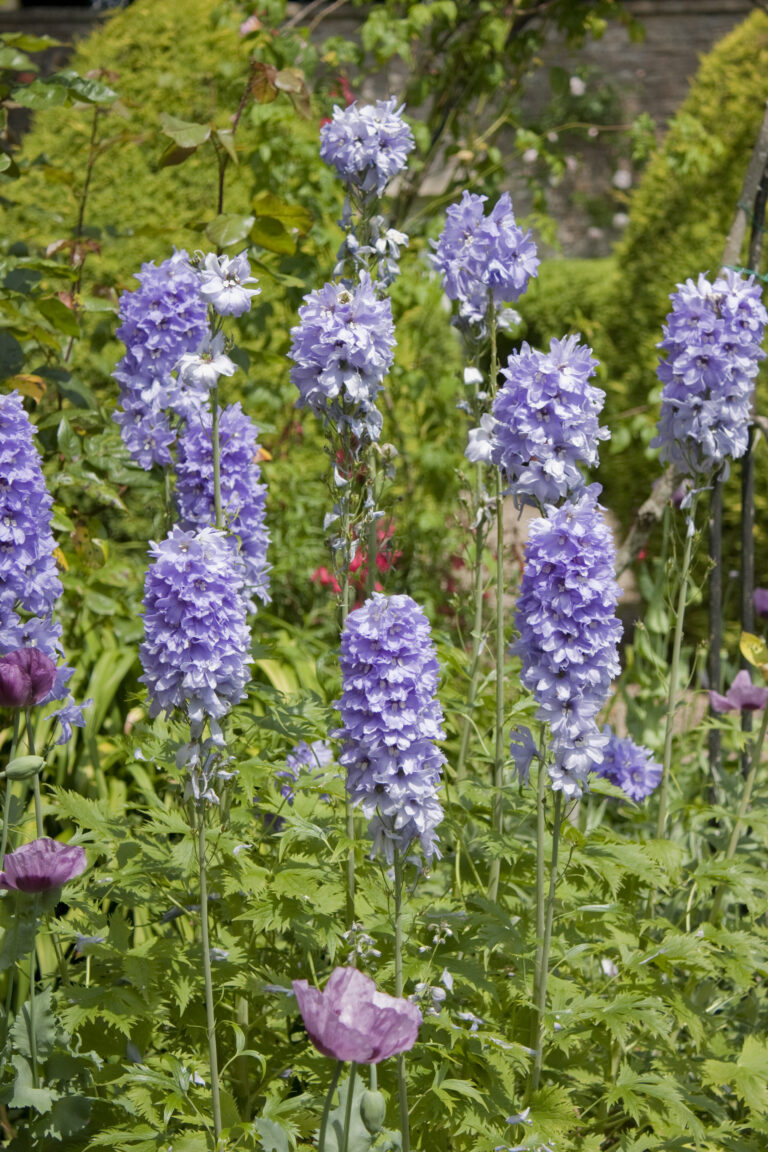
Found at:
[742, 695]
[351, 1020]
[42, 865]
[26, 677]
[761, 601]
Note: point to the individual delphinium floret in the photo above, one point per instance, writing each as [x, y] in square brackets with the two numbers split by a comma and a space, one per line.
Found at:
[712, 340]
[304, 757]
[483, 259]
[367, 144]
[196, 647]
[629, 766]
[569, 632]
[342, 348]
[390, 720]
[164, 319]
[29, 580]
[223, 282]
[243, 496]
[545, 421]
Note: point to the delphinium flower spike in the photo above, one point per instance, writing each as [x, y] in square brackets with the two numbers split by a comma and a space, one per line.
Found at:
[629, 766]
[390, 720]
[243, 496]
[164, 319]
[569, 632]
[29, 580]
[545, 421]
[342, 349]
[712, 345]
[367, 144]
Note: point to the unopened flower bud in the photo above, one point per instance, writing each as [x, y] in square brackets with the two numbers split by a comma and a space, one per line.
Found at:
[373, 1110]
[24, 767]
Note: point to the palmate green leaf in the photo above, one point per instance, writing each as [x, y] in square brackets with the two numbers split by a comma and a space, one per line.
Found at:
[137, 1138]
[746, 1076]
[22, 1093]
[646, 1094]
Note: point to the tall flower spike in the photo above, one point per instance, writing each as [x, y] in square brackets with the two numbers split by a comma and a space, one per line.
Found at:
[29, 581]
[712, 341]
[479, 256]
[196, 645]
[243, 496]
[569, 632]
[390, 721]
[367, 145]
[163, 319]
[546, 421]
[342, 349]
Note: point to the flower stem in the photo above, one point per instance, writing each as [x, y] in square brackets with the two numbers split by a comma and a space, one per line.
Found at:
[543, 964]
[498, 758]
[661, 829]
[328, 1102]
[8, 794]
[209, 1008]
[348, 1113]
[746, 796]
[477, 630]
[402, 1087]
[216, 446]
[35, 779]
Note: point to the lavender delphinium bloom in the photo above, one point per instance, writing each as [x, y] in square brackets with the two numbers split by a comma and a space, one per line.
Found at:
[367, 144]
[390, 721]
[483, 258]
[42, 865]
[304, 758]
[712, 341]
[742, 695]
[760, 601]
[351, 1020]
[342, 349]
[162, 320]
[223, 283]
[29, 579]
[629, 766]
[27, 676]
[546, 421]
[243, 496]
[569, 632]
[195, 652]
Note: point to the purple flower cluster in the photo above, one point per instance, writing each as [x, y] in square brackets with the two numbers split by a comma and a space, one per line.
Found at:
[367, 145]
[712, 341]
[243, 496]
[29, 581]
[546, 421]
[568, 631]
[629, 766]
[196, 645]
[482, 258]
[28, 575]
[304, 758]
[162, 320]
[342, 349]
[390, 721]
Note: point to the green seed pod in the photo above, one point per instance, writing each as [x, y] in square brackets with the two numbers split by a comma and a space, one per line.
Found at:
[24, 767]
[373, 1110]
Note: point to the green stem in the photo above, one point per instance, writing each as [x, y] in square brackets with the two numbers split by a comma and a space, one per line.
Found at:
[477, 630]
[348, 1112]
[35, 778]
[661, 828]
[328, 1102]
[498, 757]
[209, 1008]
[31, 1022]
[541, 832]
[8, 794]
[218, 513]
[346, 535]
[746, 796]
[541, 999]
[402, 1087]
